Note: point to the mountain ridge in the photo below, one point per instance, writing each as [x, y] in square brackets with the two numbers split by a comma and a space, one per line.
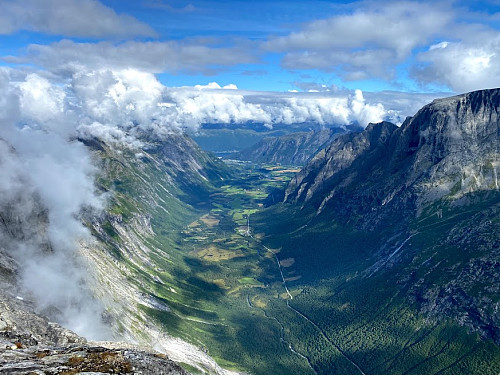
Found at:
[415, 156]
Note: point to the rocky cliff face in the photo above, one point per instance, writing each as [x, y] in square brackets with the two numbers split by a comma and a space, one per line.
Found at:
[31, 344]
[290, 149]
[154, 192]
[449, 148]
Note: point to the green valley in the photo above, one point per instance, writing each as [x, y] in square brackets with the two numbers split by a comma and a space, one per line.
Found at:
[380, 256]
[274, 290]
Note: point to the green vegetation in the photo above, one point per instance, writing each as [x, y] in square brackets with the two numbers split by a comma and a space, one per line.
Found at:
[213, 266]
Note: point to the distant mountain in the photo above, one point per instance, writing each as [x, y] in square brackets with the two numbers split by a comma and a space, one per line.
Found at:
[259, 141]
[290, 149]
[226, 141]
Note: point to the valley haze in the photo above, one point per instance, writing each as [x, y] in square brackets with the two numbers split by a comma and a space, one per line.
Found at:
[351, 225]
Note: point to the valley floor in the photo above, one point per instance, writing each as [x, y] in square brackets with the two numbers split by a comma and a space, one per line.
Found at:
[258, 300]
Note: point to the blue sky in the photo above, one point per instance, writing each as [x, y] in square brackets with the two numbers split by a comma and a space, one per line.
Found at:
[268, 45]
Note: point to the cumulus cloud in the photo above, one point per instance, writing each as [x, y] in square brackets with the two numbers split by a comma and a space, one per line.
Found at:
[332, 109]
[117, 97]
[124, 105]
[366, 43]
[454, 46]
[462, 66]
[41, 101]
[215, 105]
[73, 18]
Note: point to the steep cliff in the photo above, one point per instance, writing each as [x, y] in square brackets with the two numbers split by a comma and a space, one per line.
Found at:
[154, 192]
[30, 341]
[449, 148]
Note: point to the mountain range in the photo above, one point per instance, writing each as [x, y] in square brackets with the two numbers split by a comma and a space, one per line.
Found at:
[380, 256]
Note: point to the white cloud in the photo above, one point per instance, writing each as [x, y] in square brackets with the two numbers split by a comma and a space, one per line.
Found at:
[366, 43]
[315, 87]
[58, 173]
[73, 18]
[212, 104]
[440, 45]
[462, 66]
[40, 100]
[399, 105]
[123, 105]
[455, 47]
[196, 106]
[121, 97]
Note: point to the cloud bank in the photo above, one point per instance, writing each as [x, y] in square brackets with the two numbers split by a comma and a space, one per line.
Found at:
[462, 66]
[123, 105]
[65, 57]
[366, 43]
[432, 43]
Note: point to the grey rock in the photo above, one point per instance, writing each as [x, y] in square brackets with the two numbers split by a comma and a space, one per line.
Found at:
[84, 359]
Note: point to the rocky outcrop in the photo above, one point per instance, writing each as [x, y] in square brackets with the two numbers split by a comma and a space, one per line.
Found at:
[84, 360]
[30, 344]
